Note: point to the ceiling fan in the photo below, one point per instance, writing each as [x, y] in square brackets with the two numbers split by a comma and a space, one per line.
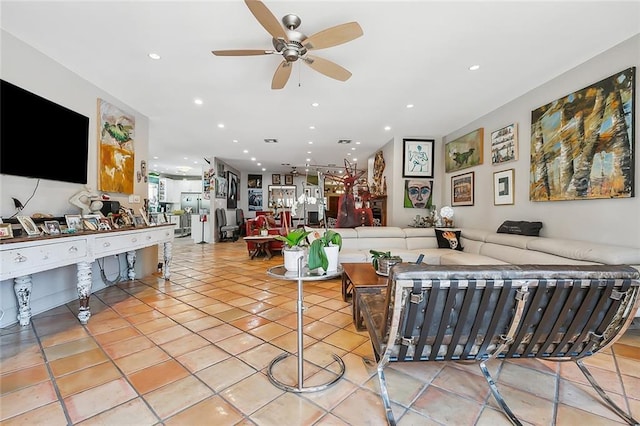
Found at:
[294, 45]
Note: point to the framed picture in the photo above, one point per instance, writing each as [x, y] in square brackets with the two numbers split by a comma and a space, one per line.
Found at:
[144, 216]
[74, 221]
[288, 179]
[417, 158]
[462, 189]
[52, 227]
[503, 187]
[504, 144]
[138, 221]
[5, 231]
[254, 181]
[29, 225]
[583, 145]
[232, 193]
[464, 152]
[275, 179]
[418, 193]
[104, 224]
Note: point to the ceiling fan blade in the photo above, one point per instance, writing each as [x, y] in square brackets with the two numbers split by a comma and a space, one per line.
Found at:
[242, 52]
[333, 36]
[281, 75]
[328, 68]
[266, 19]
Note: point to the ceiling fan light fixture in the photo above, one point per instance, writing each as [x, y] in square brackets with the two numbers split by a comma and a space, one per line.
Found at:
[344, 141]
[270, 140]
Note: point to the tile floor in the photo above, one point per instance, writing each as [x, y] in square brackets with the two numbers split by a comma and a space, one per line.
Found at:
[194, 351]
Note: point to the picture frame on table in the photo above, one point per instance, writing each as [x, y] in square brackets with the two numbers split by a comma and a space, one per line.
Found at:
[138, 221]
[144, 216]
[105, 224]
[74, 221]
[91, 222]
[5, 231]
[29, 225]
[52, 227]
[275, 179]
[462, 189]
[504, 144]
[417, 157]
[503, 186]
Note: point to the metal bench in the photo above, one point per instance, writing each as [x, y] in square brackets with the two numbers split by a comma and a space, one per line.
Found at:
[477, 313]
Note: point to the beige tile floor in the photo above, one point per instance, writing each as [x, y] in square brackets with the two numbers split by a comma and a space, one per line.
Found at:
[195, 350]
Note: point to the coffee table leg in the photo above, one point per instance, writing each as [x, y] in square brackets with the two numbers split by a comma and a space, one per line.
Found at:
[346, 283]
[357, 319]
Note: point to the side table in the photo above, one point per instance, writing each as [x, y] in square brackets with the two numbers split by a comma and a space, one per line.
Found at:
[303, 274]
[262, 245]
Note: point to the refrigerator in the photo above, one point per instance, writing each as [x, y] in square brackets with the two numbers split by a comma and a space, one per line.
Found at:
[190, 202]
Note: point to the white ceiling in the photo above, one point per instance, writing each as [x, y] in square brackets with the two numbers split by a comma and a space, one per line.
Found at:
[412, 52]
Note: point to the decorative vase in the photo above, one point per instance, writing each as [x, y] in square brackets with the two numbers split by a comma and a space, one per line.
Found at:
[332, 255]
[291, 256]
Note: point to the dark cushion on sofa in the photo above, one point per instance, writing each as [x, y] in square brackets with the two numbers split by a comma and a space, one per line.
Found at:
[448, 239]
[521, 227]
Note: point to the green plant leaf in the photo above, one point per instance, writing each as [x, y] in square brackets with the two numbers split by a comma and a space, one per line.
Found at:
[317, 256]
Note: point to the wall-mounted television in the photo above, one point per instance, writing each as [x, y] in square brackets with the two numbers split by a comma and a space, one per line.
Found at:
[41, 139]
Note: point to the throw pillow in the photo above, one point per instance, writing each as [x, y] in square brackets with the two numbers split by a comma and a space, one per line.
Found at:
[448, 239]
[522, 227]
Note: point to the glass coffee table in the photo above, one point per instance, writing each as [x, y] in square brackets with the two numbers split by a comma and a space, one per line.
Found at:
[303, 274]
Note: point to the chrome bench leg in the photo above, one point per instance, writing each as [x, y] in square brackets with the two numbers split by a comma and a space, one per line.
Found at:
[496, 394]
[612, 405]
[385, 394]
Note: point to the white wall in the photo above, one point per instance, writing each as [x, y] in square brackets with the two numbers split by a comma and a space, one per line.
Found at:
[614, 221]
[26, 67]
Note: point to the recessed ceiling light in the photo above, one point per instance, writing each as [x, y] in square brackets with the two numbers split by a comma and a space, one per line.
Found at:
[195, 162]
[315, 104]
[253, 158]
[306, 170]
[353, 149]
[308, 152]
[409, 105]
[310, 142]
[264, 170]
[348, 153]
[155, 157]
[154, 56]
[308, 159]
[221, 126]
[235, 141]
[312, 127]
[387, 128]
[354, 159]
[186, 158]
[358, 143]
[474, 67]
[259, 164]
[246, 151]
[198, 101]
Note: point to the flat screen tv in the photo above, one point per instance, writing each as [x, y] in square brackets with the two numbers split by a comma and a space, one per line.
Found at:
[41, 139]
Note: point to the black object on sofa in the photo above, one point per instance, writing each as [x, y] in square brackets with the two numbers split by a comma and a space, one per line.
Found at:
[463, 313]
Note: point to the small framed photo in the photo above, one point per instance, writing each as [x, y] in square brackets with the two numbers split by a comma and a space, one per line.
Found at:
[104, 224]
[503, 187]
[161, 218]
[417, 158]
[52, 227]
[138, 221]
[5, 231]
[144, 216]
[288, 179]
[462, 187]
[74, 221]
[29, 225]
[504, 144]
[275, 179]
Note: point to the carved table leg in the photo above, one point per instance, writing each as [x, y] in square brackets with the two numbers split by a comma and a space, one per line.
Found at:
[167, 260]
[84, 291]
[131, 262]
[22, 287]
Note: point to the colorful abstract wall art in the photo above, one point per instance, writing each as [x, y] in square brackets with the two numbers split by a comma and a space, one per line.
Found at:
[116, 151]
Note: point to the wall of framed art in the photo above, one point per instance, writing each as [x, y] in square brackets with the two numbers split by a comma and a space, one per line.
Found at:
[500, 196]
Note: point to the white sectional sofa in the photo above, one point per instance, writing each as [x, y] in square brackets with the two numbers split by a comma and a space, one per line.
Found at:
[480, 248]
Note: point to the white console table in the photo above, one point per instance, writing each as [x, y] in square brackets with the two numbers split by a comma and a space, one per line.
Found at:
[20, 258]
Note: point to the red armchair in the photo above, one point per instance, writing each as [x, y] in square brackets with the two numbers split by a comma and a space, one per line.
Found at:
[253, 227]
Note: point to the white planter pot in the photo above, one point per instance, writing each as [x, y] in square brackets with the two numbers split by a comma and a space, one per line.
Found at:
[332, 255]
[291, 257]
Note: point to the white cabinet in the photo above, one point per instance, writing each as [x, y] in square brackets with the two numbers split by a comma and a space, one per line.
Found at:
[169, 190]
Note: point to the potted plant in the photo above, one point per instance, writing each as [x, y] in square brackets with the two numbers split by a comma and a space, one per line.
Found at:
[294, 240]
[323, 251]
[382, 261]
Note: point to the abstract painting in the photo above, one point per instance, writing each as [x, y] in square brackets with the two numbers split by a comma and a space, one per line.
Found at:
[582, 145]
[418, 193]
[232, 193]
[462, 189]
[115, 149]
[417, 160]
[464, 152]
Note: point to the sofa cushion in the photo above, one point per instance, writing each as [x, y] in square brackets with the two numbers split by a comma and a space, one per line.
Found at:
[418, 243]
[419, 232]
[583, 250]
[471, 246]
[448, 239]
[519, 256]
[380, 232]
[521, 227]
[454, 257]
[475, 234]
[519, 241]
